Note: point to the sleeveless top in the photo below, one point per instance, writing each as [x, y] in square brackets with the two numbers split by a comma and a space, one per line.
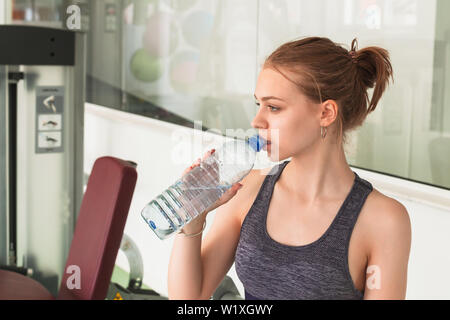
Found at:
[319, 270]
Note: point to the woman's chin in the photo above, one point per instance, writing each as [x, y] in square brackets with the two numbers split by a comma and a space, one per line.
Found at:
[273, 154]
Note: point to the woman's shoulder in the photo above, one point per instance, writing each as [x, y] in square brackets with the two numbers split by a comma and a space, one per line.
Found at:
[383, 216]
[379, 205]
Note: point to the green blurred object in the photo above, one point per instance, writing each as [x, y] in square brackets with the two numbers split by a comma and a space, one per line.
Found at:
[119, 288]
[145, 67]
[122, 277]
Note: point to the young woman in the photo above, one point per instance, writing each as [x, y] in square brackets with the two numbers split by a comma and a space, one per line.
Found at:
[312, 228]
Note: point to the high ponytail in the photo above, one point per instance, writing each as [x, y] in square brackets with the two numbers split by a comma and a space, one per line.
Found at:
[325, 70]
[374, 69]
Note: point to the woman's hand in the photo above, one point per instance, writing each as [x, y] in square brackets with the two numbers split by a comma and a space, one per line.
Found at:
[230, 193]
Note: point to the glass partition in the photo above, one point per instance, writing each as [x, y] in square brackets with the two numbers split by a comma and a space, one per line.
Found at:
[408, 135]
[176, 61]
[197, 60]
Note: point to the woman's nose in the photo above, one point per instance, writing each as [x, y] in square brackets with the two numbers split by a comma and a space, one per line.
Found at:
[258, 121]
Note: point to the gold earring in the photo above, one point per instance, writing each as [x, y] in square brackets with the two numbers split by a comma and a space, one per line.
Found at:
[323, 132]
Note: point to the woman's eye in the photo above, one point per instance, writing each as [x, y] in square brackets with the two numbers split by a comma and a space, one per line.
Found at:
[273, 109]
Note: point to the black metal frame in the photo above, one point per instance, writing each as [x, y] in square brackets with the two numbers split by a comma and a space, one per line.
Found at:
[31, 45]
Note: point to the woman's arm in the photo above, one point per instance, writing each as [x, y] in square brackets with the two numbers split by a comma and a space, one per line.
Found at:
[197, 266]
[185, 265]
[390, 243]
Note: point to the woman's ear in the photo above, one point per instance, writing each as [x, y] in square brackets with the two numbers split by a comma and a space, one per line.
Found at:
[329, 111]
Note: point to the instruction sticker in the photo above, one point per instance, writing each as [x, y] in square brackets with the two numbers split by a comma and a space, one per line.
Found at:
[49, 119]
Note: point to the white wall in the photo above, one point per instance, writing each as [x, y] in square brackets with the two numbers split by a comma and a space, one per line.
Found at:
[152, 144]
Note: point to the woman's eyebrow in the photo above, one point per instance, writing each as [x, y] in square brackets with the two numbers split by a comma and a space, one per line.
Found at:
[268, 98]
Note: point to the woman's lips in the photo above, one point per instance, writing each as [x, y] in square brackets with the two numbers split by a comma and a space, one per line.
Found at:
[267, 145]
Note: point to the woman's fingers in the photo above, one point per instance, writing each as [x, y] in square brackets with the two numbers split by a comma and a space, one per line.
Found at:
[227, 196]
[198, 161]
[207, 154]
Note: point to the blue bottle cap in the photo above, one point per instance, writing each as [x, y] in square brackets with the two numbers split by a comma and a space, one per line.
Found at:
[256, 142]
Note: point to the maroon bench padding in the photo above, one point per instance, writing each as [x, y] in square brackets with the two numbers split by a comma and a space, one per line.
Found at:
[98, 233]
[14, 286]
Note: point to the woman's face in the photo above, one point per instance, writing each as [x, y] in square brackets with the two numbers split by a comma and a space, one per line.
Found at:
[285, 117]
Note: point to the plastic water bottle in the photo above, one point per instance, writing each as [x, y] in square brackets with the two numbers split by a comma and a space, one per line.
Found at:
[201, 187]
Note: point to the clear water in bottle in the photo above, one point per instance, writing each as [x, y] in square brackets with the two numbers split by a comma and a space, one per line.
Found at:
[201, 187]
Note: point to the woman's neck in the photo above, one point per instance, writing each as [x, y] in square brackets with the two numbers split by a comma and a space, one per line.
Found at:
[317, 174]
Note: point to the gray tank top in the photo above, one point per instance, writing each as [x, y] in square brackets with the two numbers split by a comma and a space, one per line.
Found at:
[270, 270]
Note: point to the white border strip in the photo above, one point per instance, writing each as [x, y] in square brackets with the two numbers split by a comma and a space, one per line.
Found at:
[390, 186]
[407, 190]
